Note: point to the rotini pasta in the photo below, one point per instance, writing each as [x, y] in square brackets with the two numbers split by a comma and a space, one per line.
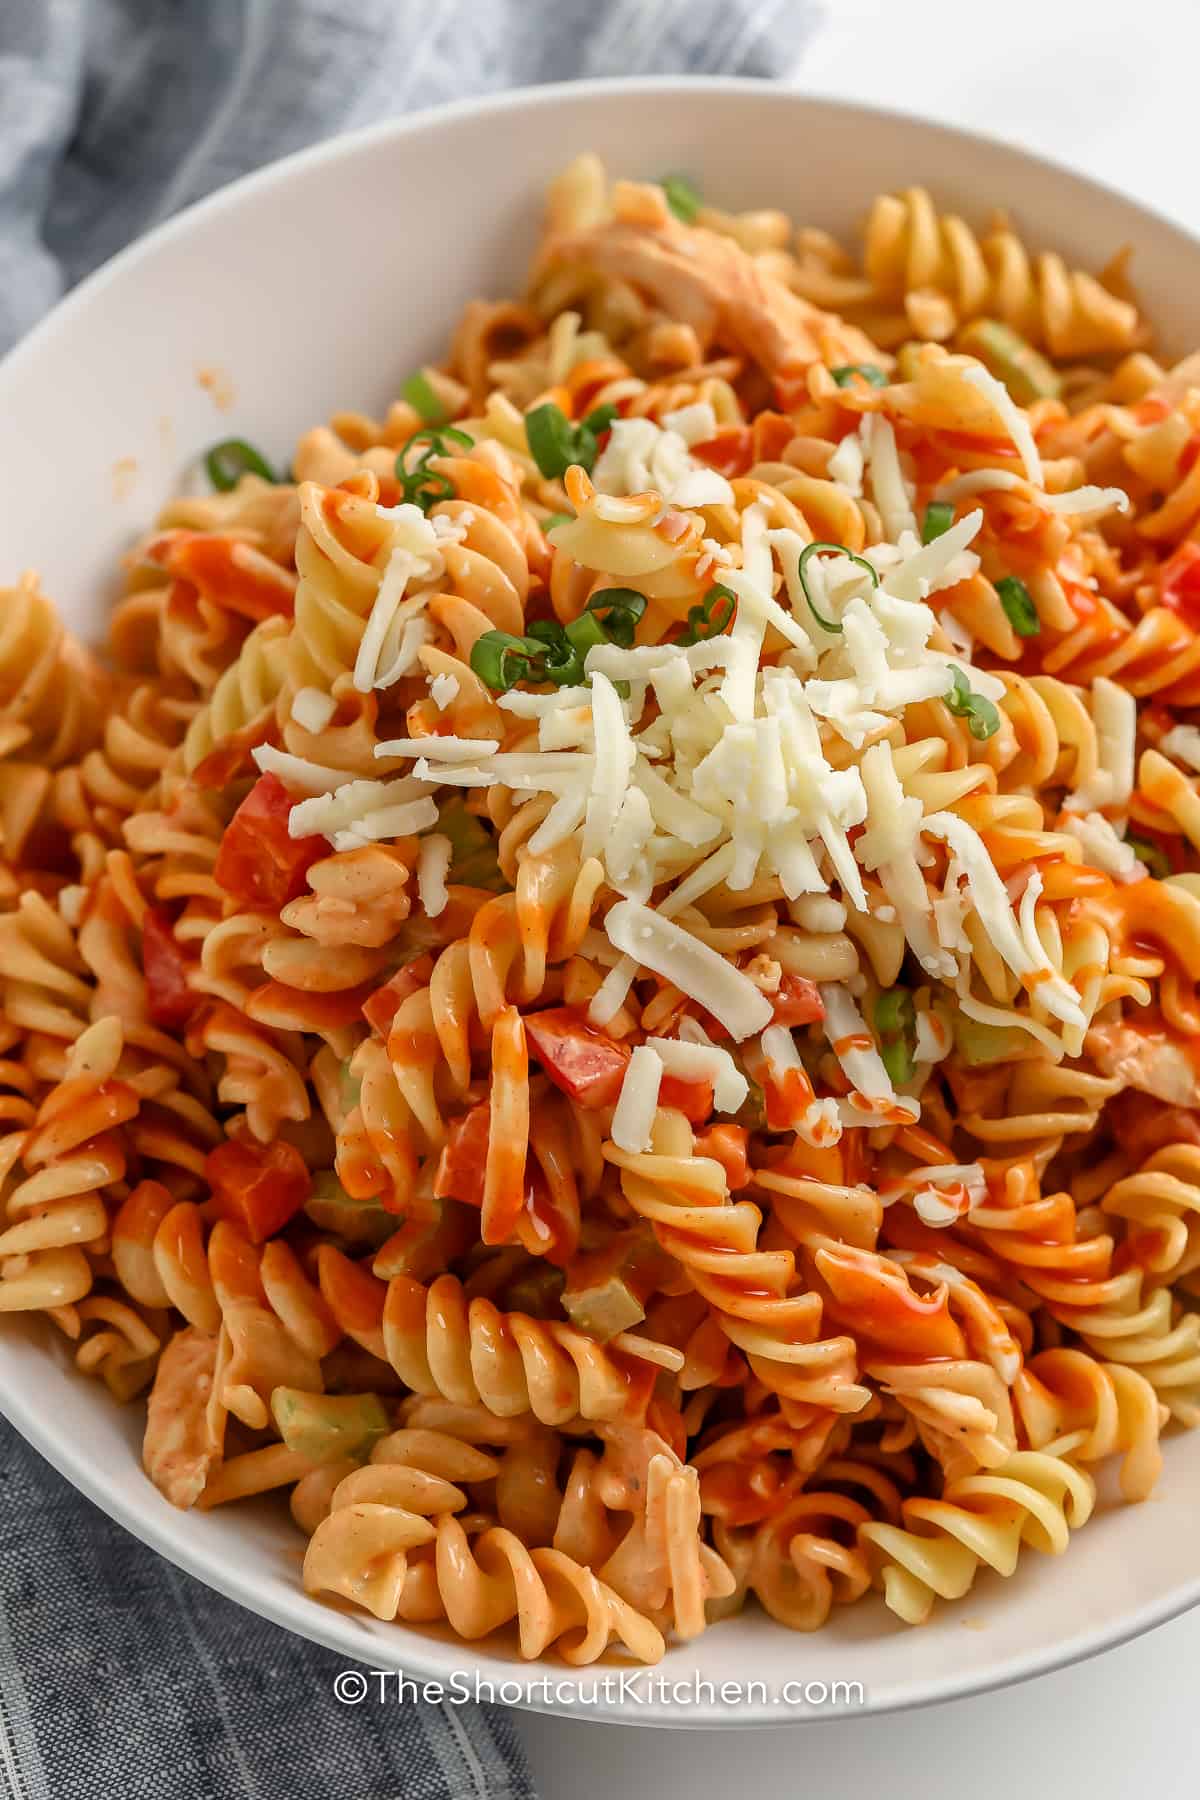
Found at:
[601, 985]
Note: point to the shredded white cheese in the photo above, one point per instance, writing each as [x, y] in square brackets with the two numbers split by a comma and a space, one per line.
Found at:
[702, 974]
[1183, 743]
[704, 1062]
[633, 1115]
[641, 456]
[443, 690]
[1077, 500]
[297, 771]
[433, 865]
[1102, 847]
[312, 710]
[1010, 415]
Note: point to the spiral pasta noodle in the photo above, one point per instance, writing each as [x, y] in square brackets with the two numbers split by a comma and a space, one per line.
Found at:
[983, 1520]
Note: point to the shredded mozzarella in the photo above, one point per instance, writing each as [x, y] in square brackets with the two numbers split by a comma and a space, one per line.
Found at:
[433, 865]
[854, 1047]
[448, 749]
[312, 710]
[641, 456]
[702, 974]
[1103, 848]
[297, 771]
[443, 690]
[372, 809]
[1010, 415]
[1182, 742]
[704, 1062]
[633, 1115]
[1077, 500]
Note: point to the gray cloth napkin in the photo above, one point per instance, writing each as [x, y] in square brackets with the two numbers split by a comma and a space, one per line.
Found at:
[115, 113]
[120, 1676]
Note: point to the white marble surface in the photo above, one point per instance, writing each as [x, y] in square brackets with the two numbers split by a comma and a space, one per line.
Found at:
[1112, 90]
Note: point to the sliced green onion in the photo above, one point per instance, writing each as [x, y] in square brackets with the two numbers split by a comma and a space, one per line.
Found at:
[229, 460]
[896, 1029]
[682, 198]
[1153, 855]
[939, 517]
[711, 618]
[557, 519]
[871, 373]
[561, 659]
[551, 439]
[555, 444]
[617, 610]
[600, 418]
[419, 393]
[832, 625]
[983, 719]
[422, 486]
[1018, 605]
[501, 660]
[557, 653]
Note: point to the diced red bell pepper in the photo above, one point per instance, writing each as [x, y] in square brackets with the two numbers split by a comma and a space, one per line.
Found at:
[226, 571]
[385, 1002]
[462, 1165]
[772, 433]
[730, 453]
[1179, 583]
[585, 1063]
[797, 1002]
[694, 1099]
[259, 1186]
[170, 1000]
[258, 862]
[726, 1144]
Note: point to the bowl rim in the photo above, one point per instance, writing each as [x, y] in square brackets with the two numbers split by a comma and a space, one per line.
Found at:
[533, 98]
[295, 1611]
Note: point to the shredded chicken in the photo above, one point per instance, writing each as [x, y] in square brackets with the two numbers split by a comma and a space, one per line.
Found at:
[180, 1446]
[709, 283]
[1151, 1063]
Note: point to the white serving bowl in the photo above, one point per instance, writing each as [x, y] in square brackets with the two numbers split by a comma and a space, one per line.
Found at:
[317, 285]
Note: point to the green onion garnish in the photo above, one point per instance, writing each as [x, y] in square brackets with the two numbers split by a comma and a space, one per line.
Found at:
[711, 618]
[501, 660]
[555, 443]
[422, 486]
[983, 719]
[682, 198]
[420, 395]
[871, 373]
[832, 625]
[1018, 605]
[557, 653]
[228, 461]
[557, 519]
[896, 1029]
[939, 517]
[617, 611]
[1154, 857]
[561, 659]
